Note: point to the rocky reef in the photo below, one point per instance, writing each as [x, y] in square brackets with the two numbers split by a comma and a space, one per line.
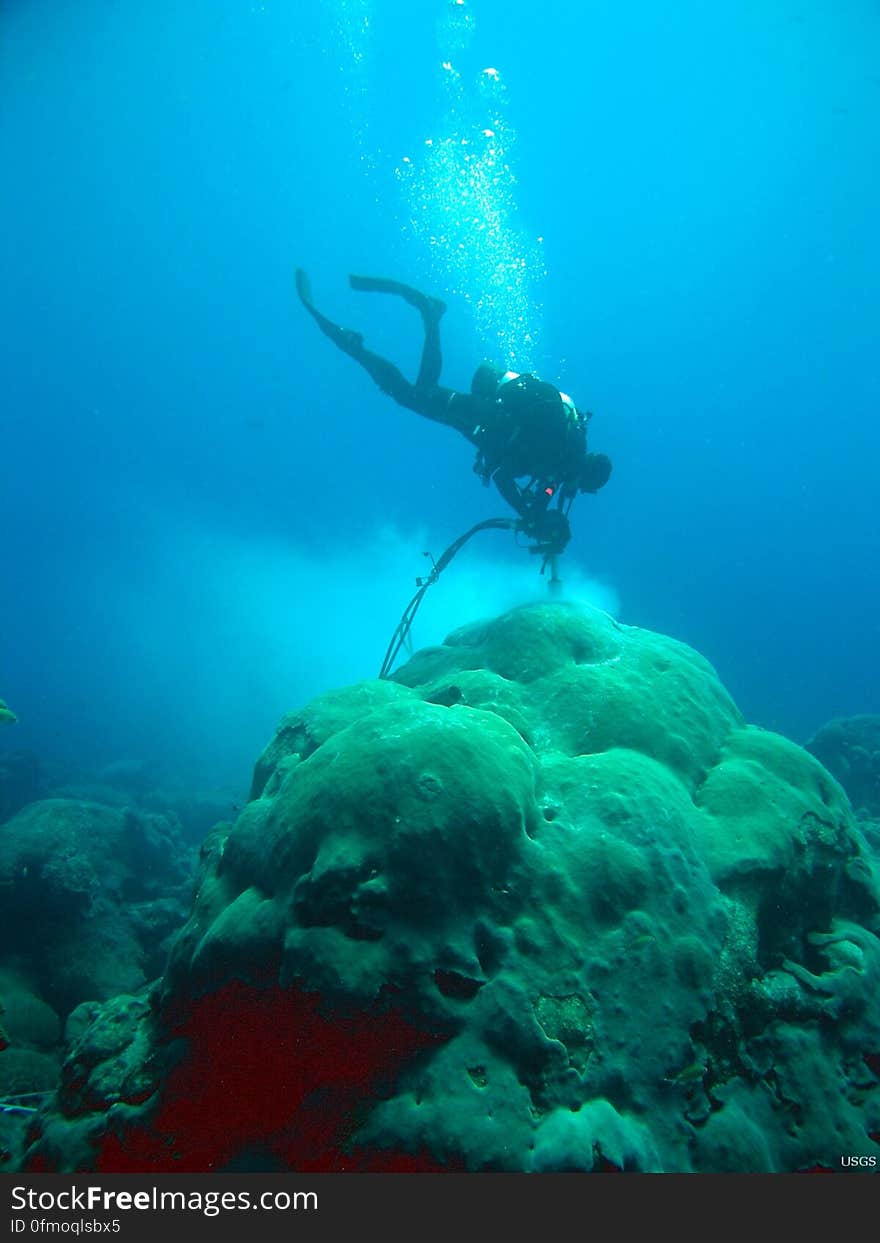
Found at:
[849, 747]
[91, 896]
[542, 902]
[107, 886]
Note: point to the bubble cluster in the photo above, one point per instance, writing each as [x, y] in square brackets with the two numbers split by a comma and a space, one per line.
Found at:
[456, 26]
[352, 22]
[460, 192]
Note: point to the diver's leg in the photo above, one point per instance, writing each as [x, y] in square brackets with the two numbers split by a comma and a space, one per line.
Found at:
[431, 310]
[349, 342]
[432, 358]
[389, 379]
[442, 405]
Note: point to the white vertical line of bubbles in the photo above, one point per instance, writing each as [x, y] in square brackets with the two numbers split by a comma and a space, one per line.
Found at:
[459, 191]
[354, 30]
[460, 194]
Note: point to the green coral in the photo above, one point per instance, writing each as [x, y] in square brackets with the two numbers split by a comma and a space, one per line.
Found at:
[640, 933]
[555, 839]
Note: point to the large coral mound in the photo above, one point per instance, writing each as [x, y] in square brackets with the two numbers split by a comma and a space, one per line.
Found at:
[543, 902]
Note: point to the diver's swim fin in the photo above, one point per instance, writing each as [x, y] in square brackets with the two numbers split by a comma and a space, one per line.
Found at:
[304, 288]
[349, 341]
[432, 307]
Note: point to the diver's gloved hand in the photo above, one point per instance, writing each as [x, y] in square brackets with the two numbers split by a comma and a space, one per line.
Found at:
[549, 528]
[595, 472]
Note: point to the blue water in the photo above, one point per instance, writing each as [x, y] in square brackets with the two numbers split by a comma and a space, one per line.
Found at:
[210, 515]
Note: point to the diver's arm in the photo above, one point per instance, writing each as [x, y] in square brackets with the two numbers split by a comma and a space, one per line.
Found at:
[549, 528]
[517, 498]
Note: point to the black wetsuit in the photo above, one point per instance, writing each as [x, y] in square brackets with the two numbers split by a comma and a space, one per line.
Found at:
[520, 428]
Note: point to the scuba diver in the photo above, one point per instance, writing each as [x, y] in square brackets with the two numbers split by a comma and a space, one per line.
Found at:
[523, 428]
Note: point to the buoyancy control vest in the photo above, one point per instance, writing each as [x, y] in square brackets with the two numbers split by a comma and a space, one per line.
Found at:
[531, 428]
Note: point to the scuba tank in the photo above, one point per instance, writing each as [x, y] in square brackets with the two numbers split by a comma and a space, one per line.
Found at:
[530, 427]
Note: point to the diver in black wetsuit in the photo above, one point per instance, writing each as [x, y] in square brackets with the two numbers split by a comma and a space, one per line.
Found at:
[522, 427]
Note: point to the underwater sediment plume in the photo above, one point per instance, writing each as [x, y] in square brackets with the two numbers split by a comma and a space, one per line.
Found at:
[541, 902]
